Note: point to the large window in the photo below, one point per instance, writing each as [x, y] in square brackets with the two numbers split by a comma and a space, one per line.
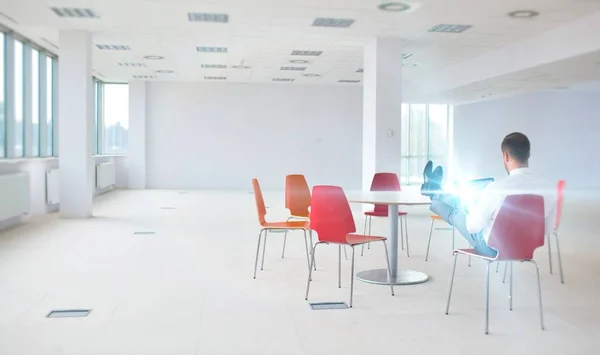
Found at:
[425, 136]
[35, 103]
[2, 105]
[50, 81]
[112, 117]
[19, 126]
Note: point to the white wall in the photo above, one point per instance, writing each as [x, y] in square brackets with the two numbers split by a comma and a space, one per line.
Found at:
[223, 135]
[563, 127]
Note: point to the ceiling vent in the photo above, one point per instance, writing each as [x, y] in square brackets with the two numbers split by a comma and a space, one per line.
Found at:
[312, 75]
[349, 81]
[444, 28]
[132, 65]
[113, 47]
[406, 55]
[74, 12]
[307, 53]
[293, 68]
[215, 78]
[154, 57]
[207, 17]
[283, 79]
[332, 22]
[360, 70]
[214, 66]
[144, 77]
[212, 49]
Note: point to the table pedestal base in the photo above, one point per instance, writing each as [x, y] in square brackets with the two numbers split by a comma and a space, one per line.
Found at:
[403, 277]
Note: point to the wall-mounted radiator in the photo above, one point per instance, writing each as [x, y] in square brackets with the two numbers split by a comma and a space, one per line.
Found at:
[52, 187]
[105, 175]
[14, 195]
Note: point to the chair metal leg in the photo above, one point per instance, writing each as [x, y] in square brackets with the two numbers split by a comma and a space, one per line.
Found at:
[510, 296]
[306, 247]
[469, 260]
[340, 266]
[262, 263]
[345, 253]
[505, 268]
[311, 247]
[560, 268]
[401, 234]
[453, 230]
[487, 299]
[310, 270]
[497, 267]
[257, 252]
[537, 269]
[387, 259]
[362, 250]
[370, 220]
[352, 278]
[550, 253]
[451, 284]
[284, 240]
[429, 242]
[406, 234]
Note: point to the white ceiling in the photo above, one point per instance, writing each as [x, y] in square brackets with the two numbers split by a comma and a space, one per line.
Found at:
[262, 34]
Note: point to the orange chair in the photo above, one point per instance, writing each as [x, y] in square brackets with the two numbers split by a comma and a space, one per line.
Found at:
[297, 201]
[332, 219]
[433, 219]
[268, 226]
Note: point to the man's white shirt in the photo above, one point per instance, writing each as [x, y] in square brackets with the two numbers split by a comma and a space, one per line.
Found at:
[520, 181]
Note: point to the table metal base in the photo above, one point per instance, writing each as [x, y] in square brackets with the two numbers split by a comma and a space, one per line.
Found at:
[404, 277]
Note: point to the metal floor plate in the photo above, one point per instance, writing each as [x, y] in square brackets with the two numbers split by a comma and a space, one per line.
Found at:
[69, 313]
[328, 305]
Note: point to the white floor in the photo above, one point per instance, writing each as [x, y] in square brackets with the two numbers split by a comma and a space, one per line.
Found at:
[188, 289]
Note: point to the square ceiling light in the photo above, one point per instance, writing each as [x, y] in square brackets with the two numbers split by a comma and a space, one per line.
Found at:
[445, 28]
[74, 12]
[283, 79]
[332, 22]
[349, 81]
[213, 66]
[215, 78]
[113, 47]
[204, 49]
[293, 68]
[207, 17]
[307, 53]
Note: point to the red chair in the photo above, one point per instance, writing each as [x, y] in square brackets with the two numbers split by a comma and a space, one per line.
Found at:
[560, 194]
[517, 232]
[386, 182]
[332, 219]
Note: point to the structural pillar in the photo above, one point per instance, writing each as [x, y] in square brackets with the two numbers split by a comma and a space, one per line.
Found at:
[136, 157]
[382, 104]
[76, 117]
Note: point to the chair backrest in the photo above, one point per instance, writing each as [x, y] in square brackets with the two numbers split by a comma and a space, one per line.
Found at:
[261, 210]
[519, 227]
[330, 214]
[384, 182]
[560, 195]
[297, 195]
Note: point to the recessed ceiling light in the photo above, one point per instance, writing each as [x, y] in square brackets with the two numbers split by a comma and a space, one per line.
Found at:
[283, 79]
[154, 57]
[349, 81]
[523, 14]
[445, 28]
[214, 66]
[332, 22]
[165, 71]
[409, 65]
[215, 78]
[241, 66]
[113, 47]
[307, 53]
[361, 70]
[299, 61]
[74, 12]
[293, 68]
[312, 75]
[207, 17]
[394, 6]
[212, 49]
[134, 65]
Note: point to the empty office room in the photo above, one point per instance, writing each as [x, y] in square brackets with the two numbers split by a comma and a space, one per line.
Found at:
[299, 177]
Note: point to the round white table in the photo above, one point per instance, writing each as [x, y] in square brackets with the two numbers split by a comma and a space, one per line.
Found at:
[392, 200]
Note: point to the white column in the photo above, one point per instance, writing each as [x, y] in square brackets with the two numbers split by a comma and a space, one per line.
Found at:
[75, 110]
[136, 153]
[382, 103]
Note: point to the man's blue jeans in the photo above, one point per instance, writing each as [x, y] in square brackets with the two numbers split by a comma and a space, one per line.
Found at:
[447, 207]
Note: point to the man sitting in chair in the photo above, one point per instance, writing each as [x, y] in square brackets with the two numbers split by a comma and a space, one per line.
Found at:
[476, 223]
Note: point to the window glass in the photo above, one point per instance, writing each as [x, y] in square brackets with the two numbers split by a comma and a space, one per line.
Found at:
[18, 87]
[115, 118]
[50, 77]
[35, 102]
[438, 130]
[418, 129]
[2, 105]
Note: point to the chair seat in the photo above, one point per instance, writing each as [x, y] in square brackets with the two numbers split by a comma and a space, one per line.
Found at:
[382, 213]
[436, 217]
[473, 252]
[287, 225]
[358, 239]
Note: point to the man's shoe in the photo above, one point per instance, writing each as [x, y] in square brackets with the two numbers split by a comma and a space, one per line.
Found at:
[437, 177]
[433, 181]
[427, 171]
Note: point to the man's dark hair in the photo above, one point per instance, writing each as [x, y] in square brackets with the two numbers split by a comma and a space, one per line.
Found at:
[517, 146]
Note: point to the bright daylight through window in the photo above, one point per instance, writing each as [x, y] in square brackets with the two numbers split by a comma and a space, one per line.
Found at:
[115, 118]
[425, 136]
[2, 105]
[19, 130]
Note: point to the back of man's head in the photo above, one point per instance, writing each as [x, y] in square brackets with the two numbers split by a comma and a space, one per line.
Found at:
[517, 146]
